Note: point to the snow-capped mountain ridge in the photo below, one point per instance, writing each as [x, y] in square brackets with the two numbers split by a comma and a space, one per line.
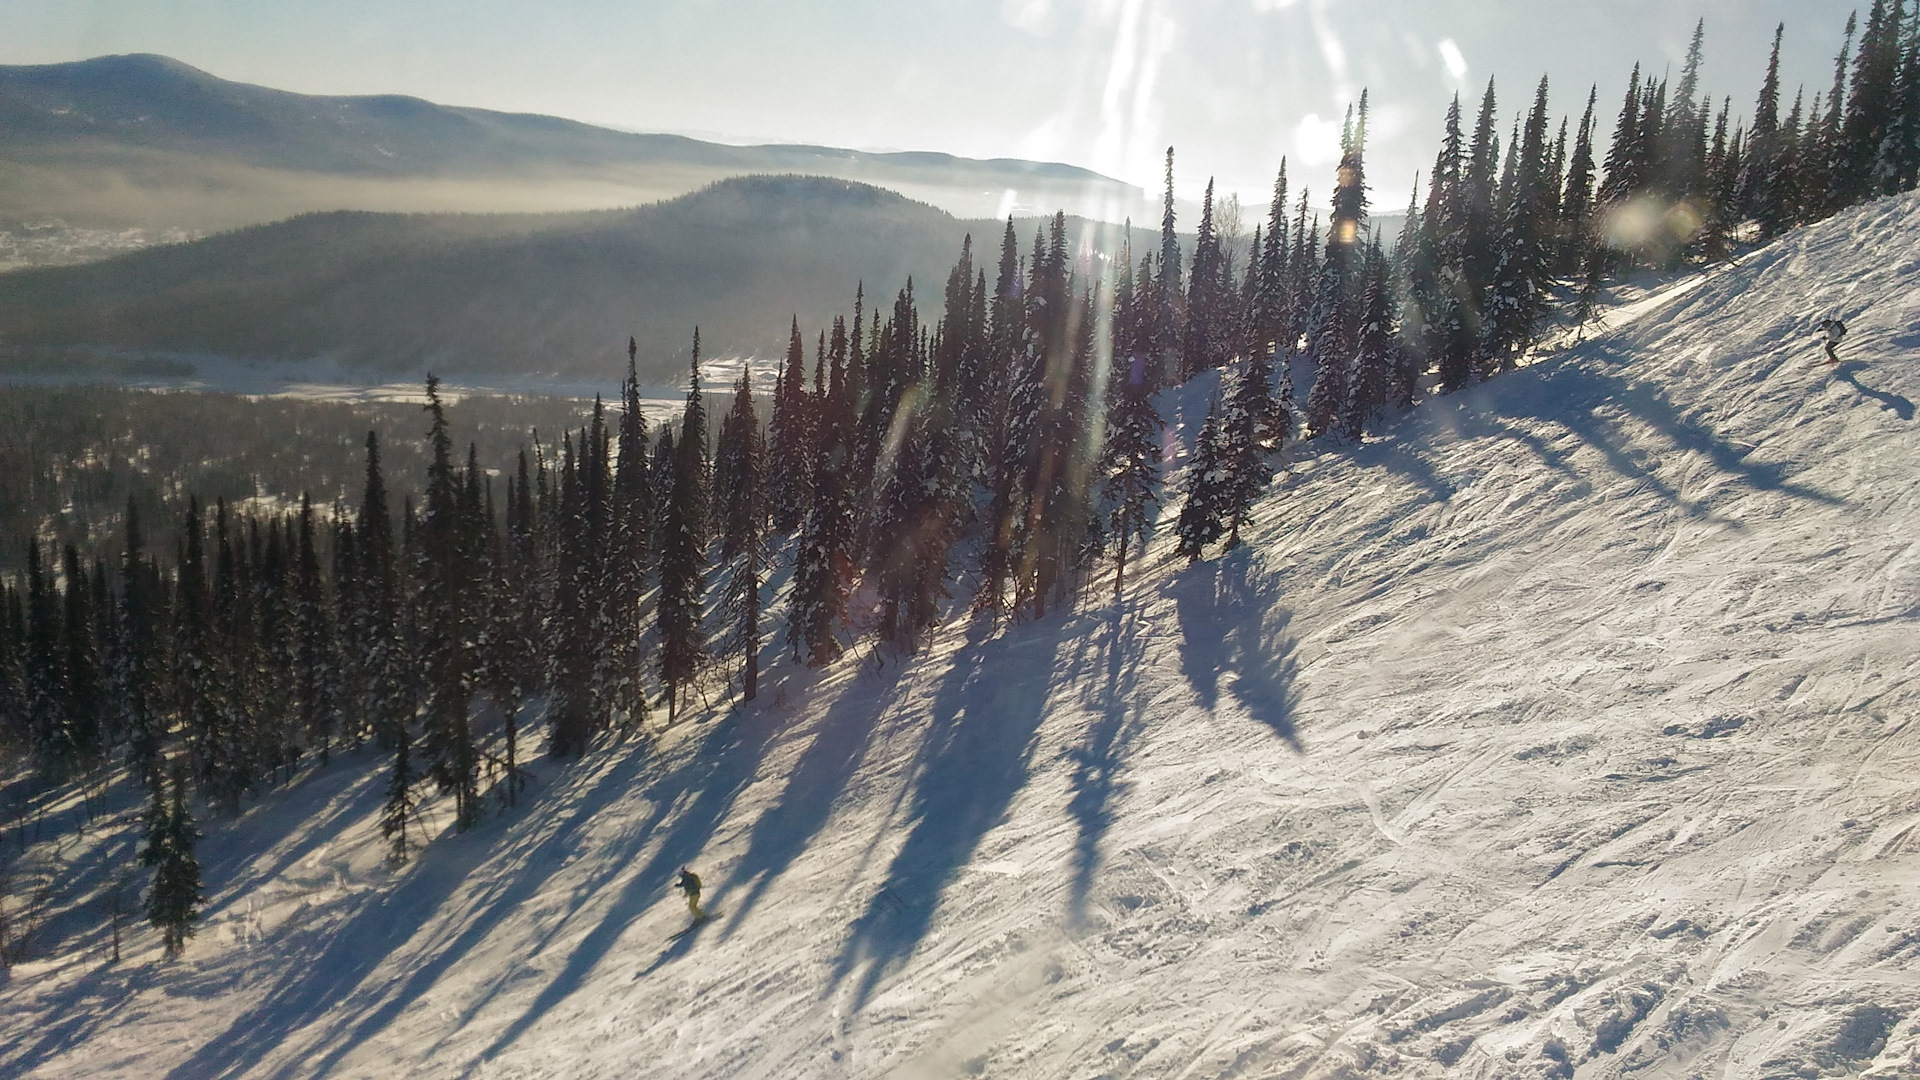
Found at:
[1568, 730]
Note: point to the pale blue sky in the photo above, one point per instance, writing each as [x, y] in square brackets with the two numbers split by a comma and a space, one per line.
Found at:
[1234, 84]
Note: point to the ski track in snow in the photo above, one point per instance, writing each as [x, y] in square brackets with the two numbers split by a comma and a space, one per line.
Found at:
[1567, 730]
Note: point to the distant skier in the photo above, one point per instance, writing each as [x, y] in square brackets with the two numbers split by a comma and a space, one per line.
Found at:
[690, 884]
[1836, 331]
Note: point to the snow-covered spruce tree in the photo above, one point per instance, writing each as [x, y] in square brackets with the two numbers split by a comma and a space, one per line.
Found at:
[1756, 188]
[173, 902]
[1271, 297]
[446, 573]
[1515, 297]
[401, 800]
[683, 549]
[1006, 363]
[1478, 214]
[822, 559]
[1242, 457]
[1870, 108]
[742, 501]
[1203, 343]
[1201, 517]
[1040, 427]
[1898, 167]
[1575, 232]
[1327, 349]
[1130, 459]
[1375, 359]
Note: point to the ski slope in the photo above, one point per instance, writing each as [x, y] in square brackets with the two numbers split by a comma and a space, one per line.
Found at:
[1569, 730]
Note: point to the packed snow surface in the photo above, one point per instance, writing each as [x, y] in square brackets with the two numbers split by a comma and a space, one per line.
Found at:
[1568, 730]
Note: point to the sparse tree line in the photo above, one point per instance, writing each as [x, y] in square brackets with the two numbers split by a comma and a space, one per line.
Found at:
[1007, 448]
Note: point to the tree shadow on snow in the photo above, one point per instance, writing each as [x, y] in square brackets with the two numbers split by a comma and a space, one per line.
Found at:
[1100, 755]
[726, 761]
[1573, 395]
[330, 988]
[986, 715]
[1232, 622]
[822, 773]
[1849, 373]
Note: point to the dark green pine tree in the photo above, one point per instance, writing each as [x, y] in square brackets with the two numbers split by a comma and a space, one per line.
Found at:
[1679, 152]
[138, 669]
[1375, 358]
[446, 572]
[1203, 343]
[1271, 295]
[1169, 315]
[789, 432]
[1757, 190]
[1898, 167]
[508, 668]
[1006, 362]
[1516, 295]
[1823, 170]
[401, 801]
[1130, 461]
[1626, 162]
[1327, 345]
[1303, 284]
[1243, 463]
[1478, 224]
[45, 679]
[823, 557]
[173, 903]
[594, 539]
[569, 627]
[660, 476]
[1576, 199]
[84, 704]
[316, 669]
[385, 664]
[683, 550]
[1870, 107]
[1437, 327]
[743, 514]
[1330, 340]
[13, 640]
[631, 524]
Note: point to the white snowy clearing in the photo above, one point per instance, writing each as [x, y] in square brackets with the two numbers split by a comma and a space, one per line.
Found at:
[1570, 730]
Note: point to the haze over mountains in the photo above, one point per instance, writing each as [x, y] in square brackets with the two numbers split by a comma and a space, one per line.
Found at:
[147, 141]
[505, 294]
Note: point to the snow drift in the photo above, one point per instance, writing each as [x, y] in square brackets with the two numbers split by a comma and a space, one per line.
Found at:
[1568, 731]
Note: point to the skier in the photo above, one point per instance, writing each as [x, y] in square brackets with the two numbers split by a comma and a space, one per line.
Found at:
[690, 884]
[1836, 330]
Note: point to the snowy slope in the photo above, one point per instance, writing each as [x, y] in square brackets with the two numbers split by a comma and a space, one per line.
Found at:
[1568, 731]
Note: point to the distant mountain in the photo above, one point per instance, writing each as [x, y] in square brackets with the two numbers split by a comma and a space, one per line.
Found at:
[149, 141]
[518, 294]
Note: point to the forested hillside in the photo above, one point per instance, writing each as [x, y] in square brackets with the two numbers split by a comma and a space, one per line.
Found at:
[1300, 656]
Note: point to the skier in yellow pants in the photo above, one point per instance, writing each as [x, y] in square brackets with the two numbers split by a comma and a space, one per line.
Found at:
[690, 884]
